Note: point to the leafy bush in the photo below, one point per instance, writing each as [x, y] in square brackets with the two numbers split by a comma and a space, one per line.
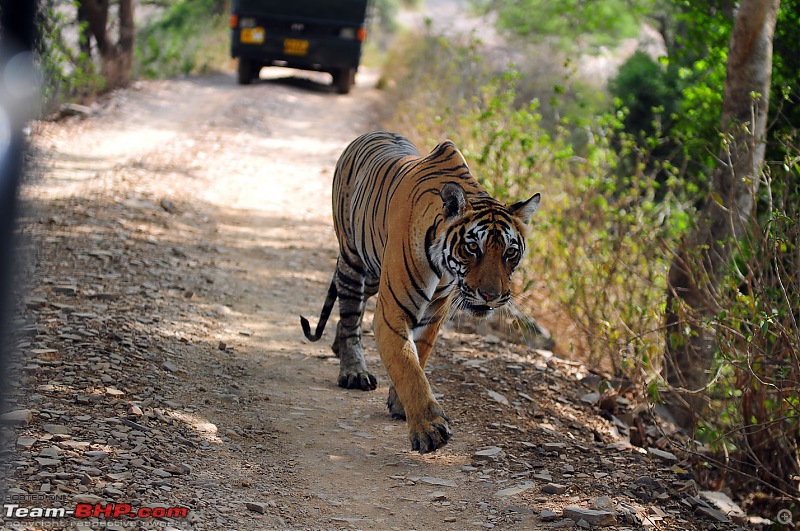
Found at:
[68, 72]
[753, 421]
[190, 36]
[756, 396]
[596, 23]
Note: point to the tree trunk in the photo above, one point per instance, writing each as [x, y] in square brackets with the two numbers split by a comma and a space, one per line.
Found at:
[704, 255]
[116, 58]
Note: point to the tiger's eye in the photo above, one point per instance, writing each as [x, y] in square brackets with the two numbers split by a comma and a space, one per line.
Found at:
[473, 248]
[512, 254]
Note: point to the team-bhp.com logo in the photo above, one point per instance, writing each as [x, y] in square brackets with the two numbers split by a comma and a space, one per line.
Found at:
[94, 510]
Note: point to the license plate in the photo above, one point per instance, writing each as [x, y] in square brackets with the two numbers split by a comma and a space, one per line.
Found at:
[252, 35]
[295, 47]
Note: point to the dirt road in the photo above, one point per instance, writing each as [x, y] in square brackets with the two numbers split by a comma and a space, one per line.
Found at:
[173, 238]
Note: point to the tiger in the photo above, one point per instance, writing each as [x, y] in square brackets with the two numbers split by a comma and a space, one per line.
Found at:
[428, 239]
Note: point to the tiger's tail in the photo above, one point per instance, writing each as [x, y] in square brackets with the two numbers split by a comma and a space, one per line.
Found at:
[323, 318]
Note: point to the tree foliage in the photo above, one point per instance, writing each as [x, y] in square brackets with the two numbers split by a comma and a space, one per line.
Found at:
[188, 36]
[595, 23]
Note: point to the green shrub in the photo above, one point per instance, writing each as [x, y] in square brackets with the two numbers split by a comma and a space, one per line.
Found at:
[756, 396]
[68, 73]
[568, 22]
[190, 36]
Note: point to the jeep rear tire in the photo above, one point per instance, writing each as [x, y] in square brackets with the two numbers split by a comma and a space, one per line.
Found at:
[244, 74]
[344, 80]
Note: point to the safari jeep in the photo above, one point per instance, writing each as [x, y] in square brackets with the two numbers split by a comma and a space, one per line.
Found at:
[305, 34]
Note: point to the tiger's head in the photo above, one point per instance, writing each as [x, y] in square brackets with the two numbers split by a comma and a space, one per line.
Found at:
[483, 245]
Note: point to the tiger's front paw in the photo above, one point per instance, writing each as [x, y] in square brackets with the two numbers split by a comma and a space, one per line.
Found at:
[430, 431]
[357, 379]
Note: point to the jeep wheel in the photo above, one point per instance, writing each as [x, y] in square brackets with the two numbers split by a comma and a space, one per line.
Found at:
[245, 72]
[344, 80]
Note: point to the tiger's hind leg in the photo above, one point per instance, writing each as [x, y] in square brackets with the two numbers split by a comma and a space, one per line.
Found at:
[353, 292]
[396, 409]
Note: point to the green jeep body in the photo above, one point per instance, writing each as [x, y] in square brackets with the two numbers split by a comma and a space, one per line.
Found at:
[321, 35]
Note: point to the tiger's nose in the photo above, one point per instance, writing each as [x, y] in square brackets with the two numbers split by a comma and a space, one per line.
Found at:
[489, 296]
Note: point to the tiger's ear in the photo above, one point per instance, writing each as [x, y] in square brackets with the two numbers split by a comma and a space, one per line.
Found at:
[525, 209]
[455, 201]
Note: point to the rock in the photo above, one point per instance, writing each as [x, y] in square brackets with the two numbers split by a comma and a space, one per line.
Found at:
[437, 481]
[592, 516]
[554, 488]
[47, 354]
[113, 492]
[204, 427]
[723, 503]
[25, 442]
[603, 503]
[497, 397]
[75, 109]
[563, 524]
[134, 411]
[488, 455]
[515, 369]
[169, 366]
[591, 398]
[51, 451]
[111, 391]
[140, 204]
[34, 303]
[527, 397]
[160, 472]
[46, 461]
[84, 315]
[66, 290]
[260, 508]
[19, 417]
[87, 498]
[105, 296]
[168, 206]
[438, 495]
[135, 425]
[57, 429]
[96, 454]
[649, 484]
[547, 515]
[512, 491]
[662, 454]
[712, 513]
[178, 470]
